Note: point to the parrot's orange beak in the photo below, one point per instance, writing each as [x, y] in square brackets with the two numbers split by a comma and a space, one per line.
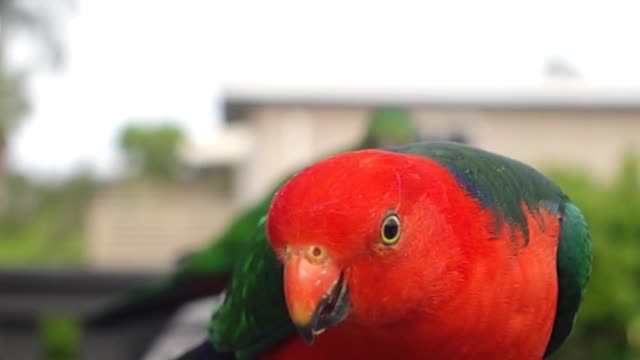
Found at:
[316, 295]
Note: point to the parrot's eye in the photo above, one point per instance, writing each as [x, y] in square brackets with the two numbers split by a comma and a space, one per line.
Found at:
[390, 230]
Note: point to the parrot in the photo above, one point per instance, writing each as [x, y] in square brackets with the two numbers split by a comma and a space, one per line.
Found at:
[427, 251]
[206, 272]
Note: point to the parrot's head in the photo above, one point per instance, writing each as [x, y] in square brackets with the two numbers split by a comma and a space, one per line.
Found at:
[365, 238]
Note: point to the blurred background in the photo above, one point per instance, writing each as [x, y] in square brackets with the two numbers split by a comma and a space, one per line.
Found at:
[133, 132]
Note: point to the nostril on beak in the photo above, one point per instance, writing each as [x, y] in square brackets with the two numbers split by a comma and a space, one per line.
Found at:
[316, 251]
[315, 254]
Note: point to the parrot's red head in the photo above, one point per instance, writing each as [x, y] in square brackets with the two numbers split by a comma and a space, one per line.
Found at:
[367, 237]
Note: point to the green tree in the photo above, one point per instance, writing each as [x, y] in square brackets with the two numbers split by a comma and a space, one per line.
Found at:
[152, 149]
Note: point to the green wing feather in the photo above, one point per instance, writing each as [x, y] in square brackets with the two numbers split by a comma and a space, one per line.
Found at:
[254, 315]
[574, 270]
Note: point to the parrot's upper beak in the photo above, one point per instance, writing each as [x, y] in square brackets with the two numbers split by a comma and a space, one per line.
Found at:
[316, 295]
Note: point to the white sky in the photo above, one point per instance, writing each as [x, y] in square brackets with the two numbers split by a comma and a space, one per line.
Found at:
[146, 59]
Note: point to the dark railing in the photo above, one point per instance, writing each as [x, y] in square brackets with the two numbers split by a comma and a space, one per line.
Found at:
[29, 296]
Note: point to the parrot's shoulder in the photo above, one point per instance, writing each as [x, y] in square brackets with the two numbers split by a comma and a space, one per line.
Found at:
[504, 185]
[499, 183]
[254, 316]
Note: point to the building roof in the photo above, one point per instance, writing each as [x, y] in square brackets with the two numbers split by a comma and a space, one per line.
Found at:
[565, 96]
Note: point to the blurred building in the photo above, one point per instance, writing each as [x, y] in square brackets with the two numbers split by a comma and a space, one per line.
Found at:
[149, 224]
[270, 133]
[570, 126]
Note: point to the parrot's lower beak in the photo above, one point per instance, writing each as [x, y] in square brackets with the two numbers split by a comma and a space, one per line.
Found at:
[332, 309]
[317, 297]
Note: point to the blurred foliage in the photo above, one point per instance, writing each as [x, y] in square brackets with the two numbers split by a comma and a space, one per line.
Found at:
[389, 127]
[43, 224]
[13, 104]
[60, 337]
[608, 324]
[152, 149]
[40, 22]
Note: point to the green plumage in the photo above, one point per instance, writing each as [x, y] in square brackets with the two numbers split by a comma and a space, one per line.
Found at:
[254, 315]
[574, 270]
